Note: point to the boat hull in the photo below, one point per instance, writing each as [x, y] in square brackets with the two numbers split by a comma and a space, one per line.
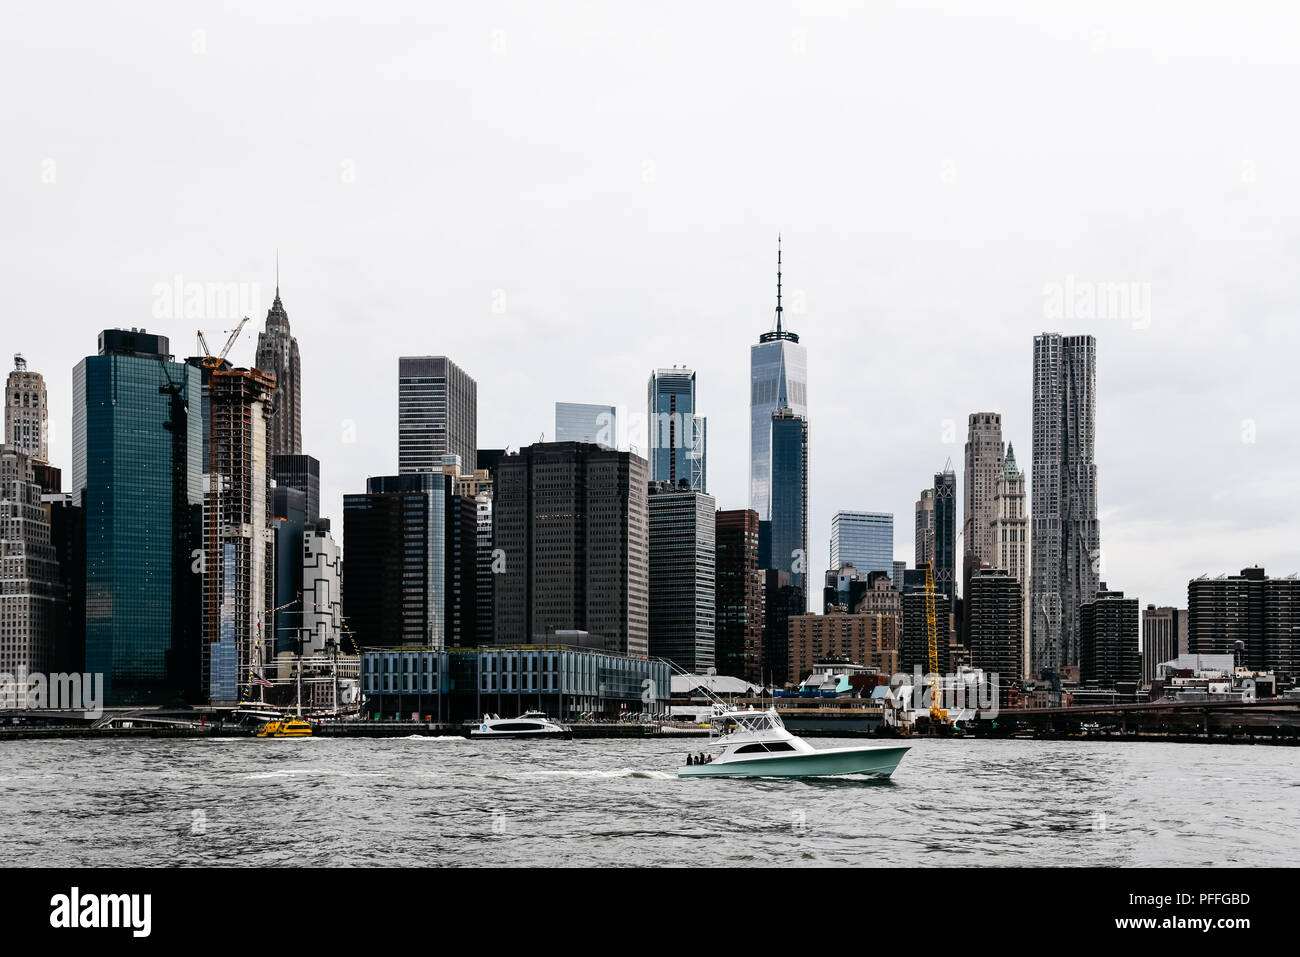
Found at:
[879, 762]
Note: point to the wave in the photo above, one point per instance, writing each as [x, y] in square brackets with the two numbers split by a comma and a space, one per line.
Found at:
[604, 773]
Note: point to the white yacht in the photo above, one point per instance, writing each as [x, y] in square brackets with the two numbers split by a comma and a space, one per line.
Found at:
[756, 744]
[530, 724]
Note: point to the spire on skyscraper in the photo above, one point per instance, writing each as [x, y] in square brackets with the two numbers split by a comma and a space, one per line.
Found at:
[778, 282]
[1009, 465]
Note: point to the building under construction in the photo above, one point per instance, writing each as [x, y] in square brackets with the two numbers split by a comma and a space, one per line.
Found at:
[238, 543]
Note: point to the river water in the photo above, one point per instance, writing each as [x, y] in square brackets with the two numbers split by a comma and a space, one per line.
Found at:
[449, 801]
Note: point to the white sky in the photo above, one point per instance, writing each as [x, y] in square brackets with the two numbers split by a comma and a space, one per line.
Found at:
[613, 177]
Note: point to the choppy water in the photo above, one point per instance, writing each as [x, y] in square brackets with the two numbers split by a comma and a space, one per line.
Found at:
[449, 801]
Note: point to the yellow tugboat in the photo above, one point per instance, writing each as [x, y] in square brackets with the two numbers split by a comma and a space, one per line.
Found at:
[291, 726]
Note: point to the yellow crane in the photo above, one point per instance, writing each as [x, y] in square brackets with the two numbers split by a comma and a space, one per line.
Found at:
[938, 715]
[209, 360]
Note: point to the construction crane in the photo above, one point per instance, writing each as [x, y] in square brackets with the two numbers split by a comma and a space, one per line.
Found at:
[209, 360]
[938, 716]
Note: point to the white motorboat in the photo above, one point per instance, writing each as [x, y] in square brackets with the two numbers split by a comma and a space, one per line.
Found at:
[754, 744]
[530, 724]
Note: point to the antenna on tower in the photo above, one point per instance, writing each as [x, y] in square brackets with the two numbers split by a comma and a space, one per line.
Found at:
[778, 282]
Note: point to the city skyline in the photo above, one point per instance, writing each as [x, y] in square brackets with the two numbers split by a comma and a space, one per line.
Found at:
[496, 290]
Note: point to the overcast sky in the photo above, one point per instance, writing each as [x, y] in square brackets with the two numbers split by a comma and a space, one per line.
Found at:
[563, 196]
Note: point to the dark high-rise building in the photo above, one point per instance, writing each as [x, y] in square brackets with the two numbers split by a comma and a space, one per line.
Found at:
[914, 649]
[945, 533]
[994, 607]
[68, 536]
[570, 521]
[1262, 613]
[303, 473]
[676, 435]
[277, 354]
[138, 476]
[739, 641]
[289, 512]
[238, 537]
[394, 572]
[1108, 640]
[1065, 536]
[462, 568]
[437, 414]
[789, 495]
[782, 600]
[683, 575]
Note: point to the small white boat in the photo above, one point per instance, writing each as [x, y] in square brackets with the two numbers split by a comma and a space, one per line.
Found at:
[756, 744]
[530, 724]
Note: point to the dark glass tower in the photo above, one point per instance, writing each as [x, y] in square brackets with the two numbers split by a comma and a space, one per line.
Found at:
[137, 443]
[789, 485]
[676, 434]
[437, 414]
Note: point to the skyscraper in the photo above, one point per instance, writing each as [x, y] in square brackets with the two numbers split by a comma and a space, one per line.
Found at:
[739, 640]
[32, 601]
[864, 540]
[789, 495]
[1108, 640]
[394, 575]
[1066, 538]
[277, 354]
[1010, 535]
[945, 532]
[924, 528]
[984, 456]
[778, 379]
[572, 529]
[995, 606]
[26, 415]
[238, 540]
[683, 575]
[322, 590]
[676, 434]
[303, 473]
[583, 422]
[1260, 612]
[137, 443]
[437, 414]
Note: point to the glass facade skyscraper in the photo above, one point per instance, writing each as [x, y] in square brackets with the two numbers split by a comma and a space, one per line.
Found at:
[676, 435]
[683, 575]
[778, 379]
[437, 414]
[137, 443]
[788, 548]
[864, 540]
[584, 422]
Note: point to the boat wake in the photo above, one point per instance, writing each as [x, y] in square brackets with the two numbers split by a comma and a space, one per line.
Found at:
[604, 773]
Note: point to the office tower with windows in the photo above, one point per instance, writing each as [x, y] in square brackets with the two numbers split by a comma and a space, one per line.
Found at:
[1108, 640]
[914, 650]
[394, 576]
[984, 456]
[782, 600]
[1009, 532]
[277, 355]
[437, 414]
[303, 473]
[137, 472]
[289, 526]
[896, 575]
[1161, 630]
[584, 422]
[739, 641]
[1065, 547]
[571, 530]
[683, 576]
[322, 591]
[676, 434]
[864, 540]
[924, 528]
[995, 605]
[26, 415]
[789, 496]
[1262, 613]
[32, 601]
[778, 379]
